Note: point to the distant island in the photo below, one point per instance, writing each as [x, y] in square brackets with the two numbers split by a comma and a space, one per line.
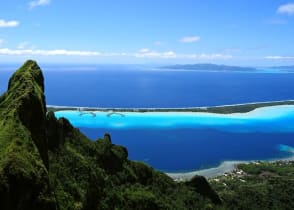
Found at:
[210, 67]
[284, 68]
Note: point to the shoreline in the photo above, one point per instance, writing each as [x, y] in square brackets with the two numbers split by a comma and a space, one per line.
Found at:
[222, 109]
[225, 167]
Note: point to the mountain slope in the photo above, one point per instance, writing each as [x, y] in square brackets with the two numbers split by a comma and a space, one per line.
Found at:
[24, 180]
[45, 163]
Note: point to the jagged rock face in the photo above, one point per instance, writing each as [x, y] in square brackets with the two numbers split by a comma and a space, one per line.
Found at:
[28, 84]
[57, 130]
[33, 72]
[24, 180]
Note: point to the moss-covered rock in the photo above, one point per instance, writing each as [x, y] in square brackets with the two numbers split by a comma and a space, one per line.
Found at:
[201, 185]
[24, 163]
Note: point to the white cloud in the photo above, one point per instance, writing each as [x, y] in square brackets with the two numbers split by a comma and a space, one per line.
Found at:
[213, 56]
[38, 3]
[286, 9]
[58, 52]
[8, 24]
[278, 57]
[158, 43]
[142, 53]
[147, 53]
[190, 39]
[113, 54]
[144, 50]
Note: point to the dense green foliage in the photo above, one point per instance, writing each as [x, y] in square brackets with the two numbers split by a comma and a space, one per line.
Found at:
[261, 185]
[24, 181]
[45, 163]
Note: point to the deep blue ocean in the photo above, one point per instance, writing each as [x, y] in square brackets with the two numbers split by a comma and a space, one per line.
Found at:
[140, 86]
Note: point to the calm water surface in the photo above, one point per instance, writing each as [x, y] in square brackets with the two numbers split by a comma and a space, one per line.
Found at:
[175, 148]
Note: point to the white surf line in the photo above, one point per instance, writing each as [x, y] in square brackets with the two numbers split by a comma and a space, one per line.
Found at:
[167, 108]
[250, 103]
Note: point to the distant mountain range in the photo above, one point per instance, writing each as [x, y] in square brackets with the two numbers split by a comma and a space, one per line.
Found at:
[223, 68]
[209, 67]
[286, 68]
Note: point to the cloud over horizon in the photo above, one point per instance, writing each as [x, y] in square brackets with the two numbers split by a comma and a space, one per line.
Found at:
[190, 39]
[8, 23]
[147, 53]
[38, 3]
[286, 9]
[142, 53]
[278, 57]
[57, 52]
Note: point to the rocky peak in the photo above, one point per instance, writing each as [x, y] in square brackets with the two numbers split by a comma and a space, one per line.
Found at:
[25, 99]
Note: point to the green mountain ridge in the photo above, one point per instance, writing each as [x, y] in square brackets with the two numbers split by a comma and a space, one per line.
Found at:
[46, 163]
[210, 67]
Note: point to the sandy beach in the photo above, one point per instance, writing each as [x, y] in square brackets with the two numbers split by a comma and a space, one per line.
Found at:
[224, 167]
[182, 109]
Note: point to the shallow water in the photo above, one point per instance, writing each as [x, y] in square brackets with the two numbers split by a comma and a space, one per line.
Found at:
[184, 141]
[266, 119]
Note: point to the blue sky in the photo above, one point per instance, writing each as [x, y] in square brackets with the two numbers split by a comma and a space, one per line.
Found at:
[238, 32]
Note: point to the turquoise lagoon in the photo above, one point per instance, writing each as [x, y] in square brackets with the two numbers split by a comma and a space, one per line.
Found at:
[186, 141]
[266, 119]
